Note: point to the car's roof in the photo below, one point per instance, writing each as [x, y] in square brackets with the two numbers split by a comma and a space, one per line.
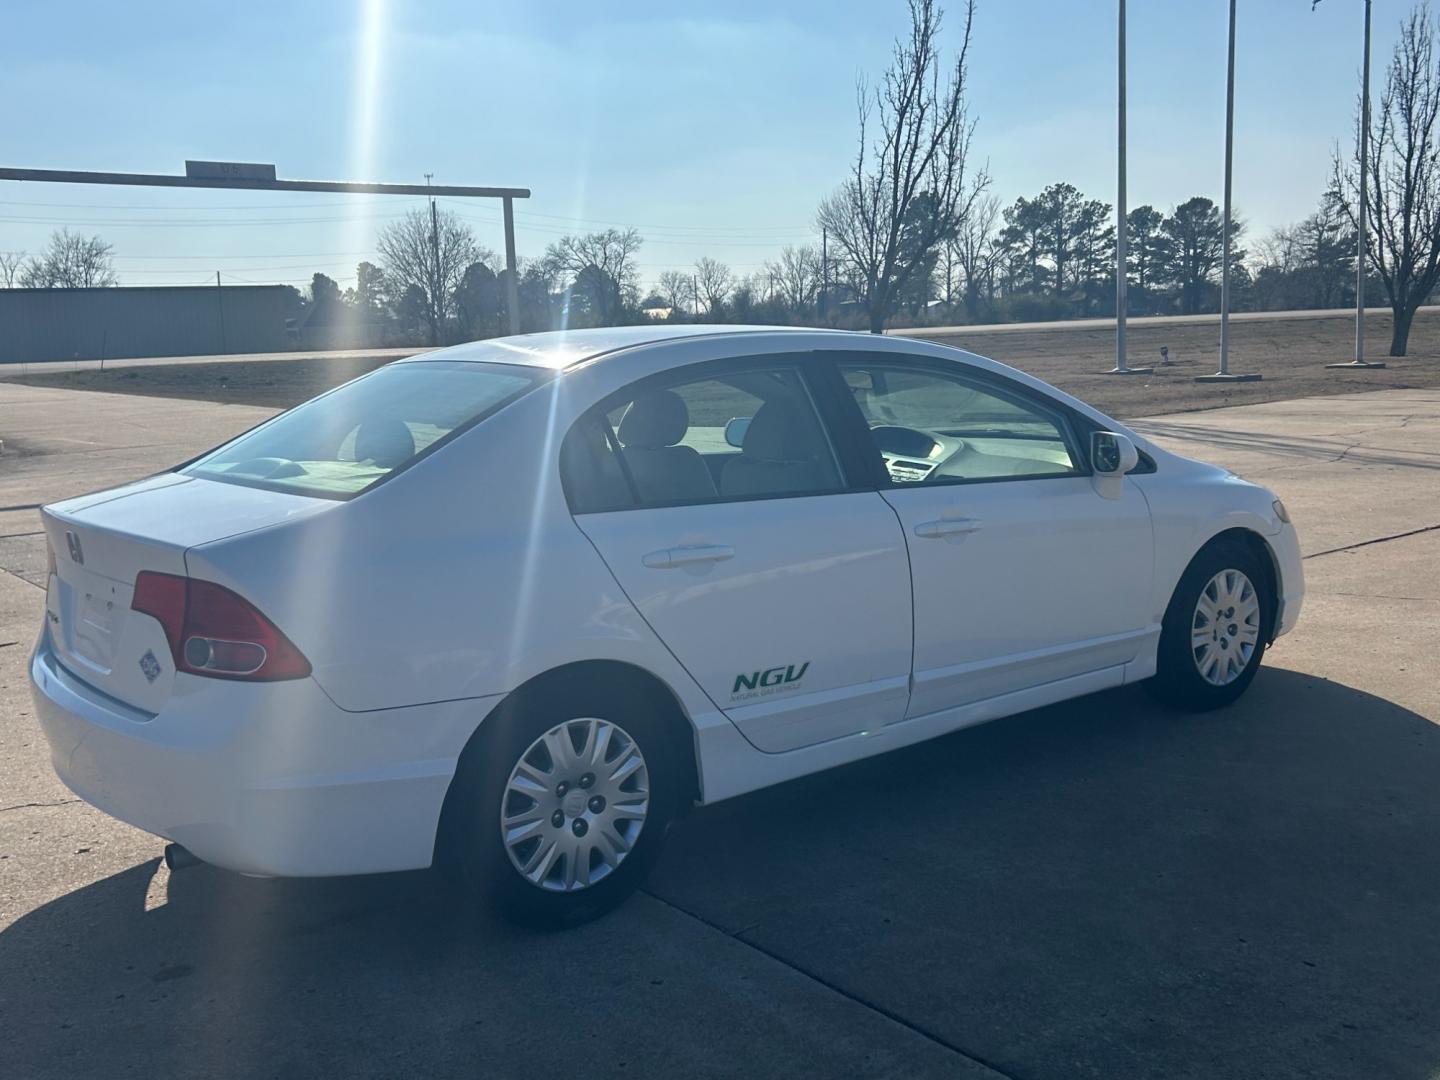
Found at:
[561, 349]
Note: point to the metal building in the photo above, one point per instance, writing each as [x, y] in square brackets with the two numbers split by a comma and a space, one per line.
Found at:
[96, 324]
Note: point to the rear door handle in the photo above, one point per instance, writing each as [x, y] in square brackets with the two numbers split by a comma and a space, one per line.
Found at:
[668, 558]
[938, 530]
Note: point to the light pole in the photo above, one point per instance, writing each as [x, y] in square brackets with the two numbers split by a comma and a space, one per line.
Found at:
[1360, 237]
[1120, 367]
[1224, 375]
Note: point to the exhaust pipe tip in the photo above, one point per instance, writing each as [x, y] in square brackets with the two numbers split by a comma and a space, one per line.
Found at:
[178, 857]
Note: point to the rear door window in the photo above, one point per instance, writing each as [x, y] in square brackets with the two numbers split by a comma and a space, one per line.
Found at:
[350, 439]
[746, 433]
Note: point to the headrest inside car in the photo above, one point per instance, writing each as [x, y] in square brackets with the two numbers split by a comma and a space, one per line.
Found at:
[655, 419]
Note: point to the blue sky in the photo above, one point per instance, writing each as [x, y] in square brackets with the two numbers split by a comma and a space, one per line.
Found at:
[714, 128]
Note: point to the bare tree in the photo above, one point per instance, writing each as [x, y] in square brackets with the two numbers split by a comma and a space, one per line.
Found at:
[601, 269]
[70, 261]
[432, 255]
[11, 263]
[975, 249]
[678, 288]
[922, 147]
[713, 280]
[1403, 204]
[1277, 260]
[1328, 245]
[796, 277]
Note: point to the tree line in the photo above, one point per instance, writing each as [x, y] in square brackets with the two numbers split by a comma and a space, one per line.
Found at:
[915, 235]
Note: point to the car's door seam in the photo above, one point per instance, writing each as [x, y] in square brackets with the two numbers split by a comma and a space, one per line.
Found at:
[910, 568]
[641, 615]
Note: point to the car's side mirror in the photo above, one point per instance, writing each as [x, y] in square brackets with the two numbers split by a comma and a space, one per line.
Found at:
[735, 431]
[1112, 455]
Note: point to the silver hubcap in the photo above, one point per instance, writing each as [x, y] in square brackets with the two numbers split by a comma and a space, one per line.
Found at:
[1226, 627]
[575, 804]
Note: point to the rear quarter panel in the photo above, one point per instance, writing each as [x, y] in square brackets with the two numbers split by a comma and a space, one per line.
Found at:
[461, 578]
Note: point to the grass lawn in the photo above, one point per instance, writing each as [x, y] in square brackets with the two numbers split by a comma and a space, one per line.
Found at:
[1291, 354]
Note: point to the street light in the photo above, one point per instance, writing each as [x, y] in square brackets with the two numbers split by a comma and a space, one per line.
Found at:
[1120, 367]
[1224, 375]
[1362, 248]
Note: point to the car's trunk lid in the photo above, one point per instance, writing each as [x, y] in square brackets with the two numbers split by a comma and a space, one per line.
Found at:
[101, 542]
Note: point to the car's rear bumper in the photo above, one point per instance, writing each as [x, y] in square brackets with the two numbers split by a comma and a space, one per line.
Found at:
[263, 778]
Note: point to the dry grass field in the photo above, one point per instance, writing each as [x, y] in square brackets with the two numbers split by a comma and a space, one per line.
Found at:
[1290, 353]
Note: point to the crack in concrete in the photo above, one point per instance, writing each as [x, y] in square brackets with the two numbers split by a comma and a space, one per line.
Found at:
[1377, 540]
[1385, 596]
[18, 577]
[37, 805]
[863, 1002]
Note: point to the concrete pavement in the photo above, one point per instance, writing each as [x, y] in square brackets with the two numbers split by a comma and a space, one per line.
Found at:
[1097, 889]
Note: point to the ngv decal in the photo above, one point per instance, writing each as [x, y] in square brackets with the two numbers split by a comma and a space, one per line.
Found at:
[769, 678]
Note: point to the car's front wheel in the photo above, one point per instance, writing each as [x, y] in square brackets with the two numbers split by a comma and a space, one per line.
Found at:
[1215, 629]
[560, 809]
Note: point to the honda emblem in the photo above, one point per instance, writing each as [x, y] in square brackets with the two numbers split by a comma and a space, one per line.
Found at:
[76, 552]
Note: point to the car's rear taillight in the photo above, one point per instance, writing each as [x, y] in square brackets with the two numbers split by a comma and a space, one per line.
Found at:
[213, 631]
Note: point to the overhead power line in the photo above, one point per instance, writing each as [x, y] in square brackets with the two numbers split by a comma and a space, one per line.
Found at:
[523, 215]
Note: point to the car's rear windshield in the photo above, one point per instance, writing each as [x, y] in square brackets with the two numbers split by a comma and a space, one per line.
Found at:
[352, 438]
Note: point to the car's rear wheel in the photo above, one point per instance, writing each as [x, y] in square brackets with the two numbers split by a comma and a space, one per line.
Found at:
[560, 808]
[1215, 629]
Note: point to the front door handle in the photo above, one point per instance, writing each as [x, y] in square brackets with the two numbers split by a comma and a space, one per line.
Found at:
[938, 530]
[668, 558]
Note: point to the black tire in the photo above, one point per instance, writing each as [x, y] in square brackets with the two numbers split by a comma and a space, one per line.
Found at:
[472, 848]
[1178, 681]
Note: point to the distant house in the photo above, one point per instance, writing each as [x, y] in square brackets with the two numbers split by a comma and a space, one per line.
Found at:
[333, 324]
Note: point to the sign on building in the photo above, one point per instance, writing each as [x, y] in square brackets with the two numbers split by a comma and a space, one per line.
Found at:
[228, 170]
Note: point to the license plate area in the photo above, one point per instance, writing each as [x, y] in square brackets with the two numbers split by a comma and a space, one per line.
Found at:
[91, 612]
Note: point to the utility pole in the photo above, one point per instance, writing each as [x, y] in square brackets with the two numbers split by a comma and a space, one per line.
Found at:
[512, 283]
[824, 273]
[436, 303]
[695, 288]
[1121, 301]
[1362, 247]
[220, 305]
[1223, 375]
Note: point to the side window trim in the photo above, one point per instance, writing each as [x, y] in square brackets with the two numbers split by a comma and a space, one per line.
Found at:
[613, 442]
[803, 364]
[850, 434]
[989, 382]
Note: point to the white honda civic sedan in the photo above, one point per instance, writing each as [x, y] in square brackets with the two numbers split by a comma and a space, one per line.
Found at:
[513, 606]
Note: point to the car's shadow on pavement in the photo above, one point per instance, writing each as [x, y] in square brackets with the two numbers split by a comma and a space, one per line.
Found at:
[1100, 888]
